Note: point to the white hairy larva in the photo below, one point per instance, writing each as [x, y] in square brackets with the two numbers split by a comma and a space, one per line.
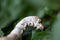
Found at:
[18, 30]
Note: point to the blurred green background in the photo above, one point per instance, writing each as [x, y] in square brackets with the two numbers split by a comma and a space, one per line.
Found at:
[11, 11]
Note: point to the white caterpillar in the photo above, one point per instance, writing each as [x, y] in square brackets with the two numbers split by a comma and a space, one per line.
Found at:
[18, 30]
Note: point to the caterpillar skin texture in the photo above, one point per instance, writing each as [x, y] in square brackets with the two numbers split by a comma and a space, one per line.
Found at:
[16, 33]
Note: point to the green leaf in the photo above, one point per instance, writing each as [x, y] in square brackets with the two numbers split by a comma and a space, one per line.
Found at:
[56, 28]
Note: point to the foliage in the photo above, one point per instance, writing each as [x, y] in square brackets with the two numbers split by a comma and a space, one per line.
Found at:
[12, 11]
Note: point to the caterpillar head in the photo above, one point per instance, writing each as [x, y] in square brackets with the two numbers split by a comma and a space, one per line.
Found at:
[38, 24]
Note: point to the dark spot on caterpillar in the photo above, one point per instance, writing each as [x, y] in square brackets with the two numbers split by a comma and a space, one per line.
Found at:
[40, 22]
[23, 24]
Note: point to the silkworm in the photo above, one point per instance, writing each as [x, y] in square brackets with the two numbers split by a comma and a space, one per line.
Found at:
[17, 32]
